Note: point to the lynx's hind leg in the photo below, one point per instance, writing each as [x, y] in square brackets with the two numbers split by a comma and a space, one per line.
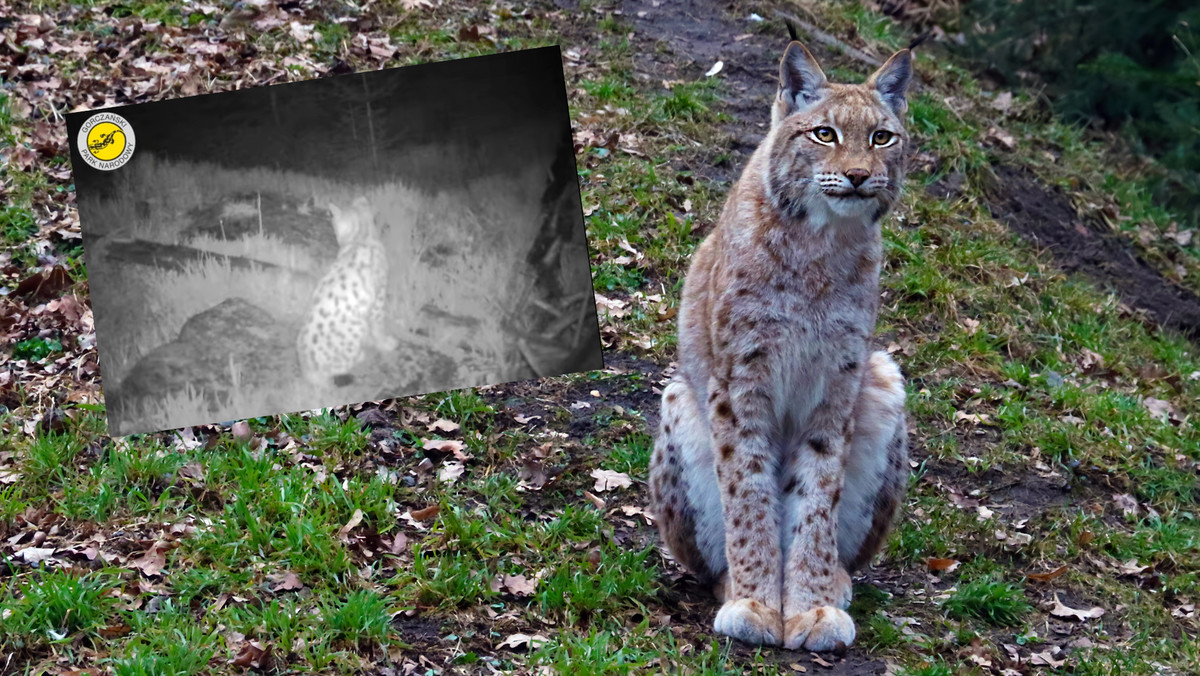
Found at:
[384, 341]
[876, 464]
[683, 487]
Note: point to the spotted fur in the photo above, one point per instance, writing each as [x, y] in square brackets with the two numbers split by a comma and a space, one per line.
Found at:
[781, 456]
[347, 312]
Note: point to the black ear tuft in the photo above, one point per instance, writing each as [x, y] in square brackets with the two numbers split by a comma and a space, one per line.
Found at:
[891, 80]
[920, 40]
[801, 80]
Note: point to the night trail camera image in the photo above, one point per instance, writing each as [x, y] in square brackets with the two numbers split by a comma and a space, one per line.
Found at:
[335, 241]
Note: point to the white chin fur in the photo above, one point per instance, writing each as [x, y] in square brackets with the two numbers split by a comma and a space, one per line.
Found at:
[853, 207]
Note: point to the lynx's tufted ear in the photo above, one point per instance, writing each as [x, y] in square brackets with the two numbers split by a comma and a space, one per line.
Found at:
[801, 82]
[891, 80]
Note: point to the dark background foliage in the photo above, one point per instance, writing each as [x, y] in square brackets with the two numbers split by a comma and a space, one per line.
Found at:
[1133, 65]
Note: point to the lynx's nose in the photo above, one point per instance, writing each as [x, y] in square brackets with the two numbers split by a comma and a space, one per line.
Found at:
[857, 176]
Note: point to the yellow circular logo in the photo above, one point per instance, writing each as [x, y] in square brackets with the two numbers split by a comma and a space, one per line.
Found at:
[106, 141]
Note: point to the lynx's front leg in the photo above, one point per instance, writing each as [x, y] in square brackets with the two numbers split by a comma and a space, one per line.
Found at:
[816, 588]
[746, 469]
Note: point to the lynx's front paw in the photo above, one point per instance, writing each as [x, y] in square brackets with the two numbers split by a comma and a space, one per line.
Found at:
[750, 621]
[819, 629]
[843, 588]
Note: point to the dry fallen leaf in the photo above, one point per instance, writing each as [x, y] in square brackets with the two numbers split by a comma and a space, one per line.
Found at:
[597, 501]
[519, 640]
[114, 631]
[1046, 577]
[1158, 408]
[942, 565]
[1003, 101]
[533, 474]
[241, 430]
[151, 563]
[35, 555]
[289, 581]
[443, 445]
[1131, 567]
[1127, 503]
[977, 418]
[1059, 610]
[634, 510]
[254, 655]
[1019, 539]
[426, 513]
[607, 479]
[1090, 360]
[1000, 137]
[442, 425]
[192, 470]
[519, 585]
[450, 471]
[1045, 659]
[355, 519]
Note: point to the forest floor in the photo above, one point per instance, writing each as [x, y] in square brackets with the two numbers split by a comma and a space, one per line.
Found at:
[1042, 307]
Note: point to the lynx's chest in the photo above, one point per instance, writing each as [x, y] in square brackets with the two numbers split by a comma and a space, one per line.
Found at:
[815, 314]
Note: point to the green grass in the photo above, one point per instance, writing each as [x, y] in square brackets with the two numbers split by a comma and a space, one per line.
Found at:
[597, 652]
[361, 618]
[995, 602]
[171, 643]
[60, 606]
[36, 349]
[16, 224]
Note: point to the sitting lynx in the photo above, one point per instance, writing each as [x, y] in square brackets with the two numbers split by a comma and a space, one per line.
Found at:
[347, 306]
[782, 454]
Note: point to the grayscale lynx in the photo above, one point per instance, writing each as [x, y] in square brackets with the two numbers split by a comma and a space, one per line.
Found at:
[782, 453]
[347, 312]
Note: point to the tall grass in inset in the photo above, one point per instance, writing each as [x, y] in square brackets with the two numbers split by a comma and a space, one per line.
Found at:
[259, 247]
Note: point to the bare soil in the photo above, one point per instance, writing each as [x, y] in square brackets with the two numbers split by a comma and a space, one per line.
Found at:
[1044, 216]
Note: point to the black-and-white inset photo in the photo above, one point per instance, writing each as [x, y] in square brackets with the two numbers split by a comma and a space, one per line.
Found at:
[336, 241]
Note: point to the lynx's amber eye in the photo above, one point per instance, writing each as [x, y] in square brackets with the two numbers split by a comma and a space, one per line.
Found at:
[825, 134]
[882, 137]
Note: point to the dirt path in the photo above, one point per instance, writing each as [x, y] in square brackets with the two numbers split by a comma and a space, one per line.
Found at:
[1046, 218]
[697, 34]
